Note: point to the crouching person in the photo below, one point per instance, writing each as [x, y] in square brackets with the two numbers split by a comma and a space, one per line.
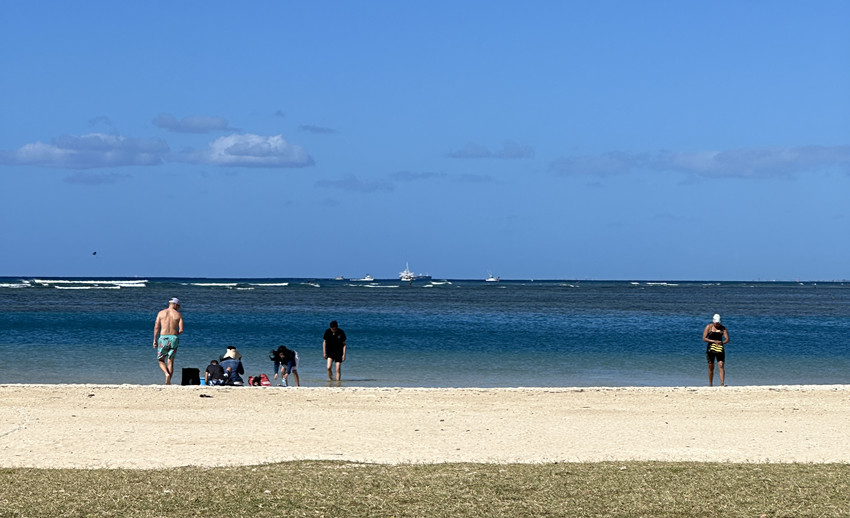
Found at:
[231, 362]
[286, 362]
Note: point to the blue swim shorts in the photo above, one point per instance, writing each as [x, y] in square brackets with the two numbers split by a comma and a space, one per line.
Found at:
[166, 347]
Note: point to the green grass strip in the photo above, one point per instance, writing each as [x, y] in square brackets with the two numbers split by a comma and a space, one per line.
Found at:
[311, 488]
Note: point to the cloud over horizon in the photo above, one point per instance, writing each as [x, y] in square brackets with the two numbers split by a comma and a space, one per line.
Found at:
[99, 150]
[735, 163]
[90, 151]
[248, 150]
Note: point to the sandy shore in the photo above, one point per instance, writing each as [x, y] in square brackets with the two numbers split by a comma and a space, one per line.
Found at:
[110, 426]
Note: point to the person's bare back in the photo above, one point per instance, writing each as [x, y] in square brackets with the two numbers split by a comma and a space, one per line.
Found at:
[169, 321]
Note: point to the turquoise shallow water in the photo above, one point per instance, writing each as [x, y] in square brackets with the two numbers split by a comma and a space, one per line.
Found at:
[432, 334]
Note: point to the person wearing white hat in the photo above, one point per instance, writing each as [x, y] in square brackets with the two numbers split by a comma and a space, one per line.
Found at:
[168, 325]
[716, 337]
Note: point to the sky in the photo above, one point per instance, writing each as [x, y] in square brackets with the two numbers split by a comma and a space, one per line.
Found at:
[639, 140]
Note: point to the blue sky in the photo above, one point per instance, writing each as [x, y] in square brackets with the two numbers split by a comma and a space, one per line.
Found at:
[659, 140]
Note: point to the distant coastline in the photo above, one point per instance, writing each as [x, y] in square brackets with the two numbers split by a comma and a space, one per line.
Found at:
[72, 278]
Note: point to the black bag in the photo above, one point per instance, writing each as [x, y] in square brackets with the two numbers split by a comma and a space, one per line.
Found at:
[191, 376]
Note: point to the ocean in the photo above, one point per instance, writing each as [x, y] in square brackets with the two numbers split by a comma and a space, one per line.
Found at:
[439, 333]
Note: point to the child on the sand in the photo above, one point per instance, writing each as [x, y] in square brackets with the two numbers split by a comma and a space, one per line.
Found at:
[214, 374]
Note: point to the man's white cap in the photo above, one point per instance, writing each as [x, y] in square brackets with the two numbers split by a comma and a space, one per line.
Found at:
[716, 318]
[175, 300]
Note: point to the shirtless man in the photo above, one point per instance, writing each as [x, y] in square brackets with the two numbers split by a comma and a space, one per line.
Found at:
[169, 324]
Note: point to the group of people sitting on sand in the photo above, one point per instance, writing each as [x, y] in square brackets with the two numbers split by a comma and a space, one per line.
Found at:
[228, 368]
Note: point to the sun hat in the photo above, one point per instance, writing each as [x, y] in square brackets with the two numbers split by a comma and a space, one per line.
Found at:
[716, 318]
[174, 300]
[232, 353]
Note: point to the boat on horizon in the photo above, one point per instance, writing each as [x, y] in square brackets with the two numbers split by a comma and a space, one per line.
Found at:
[408, 276]
[492, 279]
[367, 278]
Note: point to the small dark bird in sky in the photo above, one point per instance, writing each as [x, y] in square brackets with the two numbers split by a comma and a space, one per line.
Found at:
[94, 253]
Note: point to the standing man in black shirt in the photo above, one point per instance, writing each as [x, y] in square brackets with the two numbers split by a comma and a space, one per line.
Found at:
[333, 348]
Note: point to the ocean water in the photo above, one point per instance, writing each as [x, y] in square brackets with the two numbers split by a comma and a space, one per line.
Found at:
[454, 333]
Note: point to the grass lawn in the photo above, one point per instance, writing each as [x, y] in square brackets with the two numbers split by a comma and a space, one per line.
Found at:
[311, 488]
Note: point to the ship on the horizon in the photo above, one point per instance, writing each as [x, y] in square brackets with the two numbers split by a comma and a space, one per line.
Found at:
[407, 276]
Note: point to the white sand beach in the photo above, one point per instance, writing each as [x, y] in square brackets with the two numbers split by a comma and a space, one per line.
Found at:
[112, 426]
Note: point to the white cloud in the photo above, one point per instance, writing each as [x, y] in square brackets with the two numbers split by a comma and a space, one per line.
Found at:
[756, 162]
[89, 151]
[191, 124]
[99, 150]
[249, 150]
[736, 163]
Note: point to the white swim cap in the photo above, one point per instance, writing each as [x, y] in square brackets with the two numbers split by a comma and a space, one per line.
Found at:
[716, 318]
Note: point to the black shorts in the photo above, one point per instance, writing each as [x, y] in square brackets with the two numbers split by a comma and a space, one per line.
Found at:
[335, 355]
[711, 356]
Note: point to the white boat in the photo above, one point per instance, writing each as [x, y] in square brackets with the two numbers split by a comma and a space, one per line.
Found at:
[407, 276]
[368, 278]
[492, 279]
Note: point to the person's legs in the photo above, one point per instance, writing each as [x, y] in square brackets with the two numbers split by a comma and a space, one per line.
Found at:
[710, 373]
[330, 364]
[165, 355]
[722, 372]
[297, 381]
[165, 370]
[338, 371]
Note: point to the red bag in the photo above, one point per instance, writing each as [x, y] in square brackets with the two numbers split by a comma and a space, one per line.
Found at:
[264, 381]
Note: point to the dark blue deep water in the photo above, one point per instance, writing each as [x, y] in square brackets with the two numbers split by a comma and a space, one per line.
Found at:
[432, 334]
